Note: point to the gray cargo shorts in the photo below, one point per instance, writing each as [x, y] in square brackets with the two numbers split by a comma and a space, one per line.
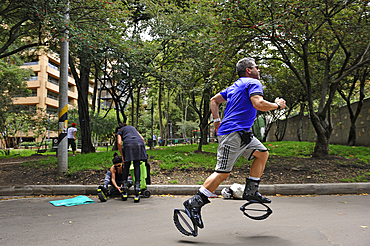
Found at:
[230, 148]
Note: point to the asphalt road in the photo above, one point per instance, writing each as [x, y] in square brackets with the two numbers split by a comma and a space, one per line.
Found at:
[306, 220]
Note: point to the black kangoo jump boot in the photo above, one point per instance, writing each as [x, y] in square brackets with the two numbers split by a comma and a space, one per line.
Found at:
[102, 194]
[106, 190]
[124, 190]
[137, 191]
[251, 193]
[193, 207]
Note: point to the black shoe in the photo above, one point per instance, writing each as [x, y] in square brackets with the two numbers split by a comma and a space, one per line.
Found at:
[124, 196]
[137, 192]
[193, 207]
[124, 190]
[251, 193]
[136, 198]
[137, 189]
[102, 197]
[105, 190]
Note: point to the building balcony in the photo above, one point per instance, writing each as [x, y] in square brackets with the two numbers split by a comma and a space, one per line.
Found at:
[52, 71]
[33, 84]
[52, 87]
[35, 66]
[51, 102]
[26, 100]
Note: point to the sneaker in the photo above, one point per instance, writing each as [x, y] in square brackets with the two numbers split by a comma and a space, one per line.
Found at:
[193, 207]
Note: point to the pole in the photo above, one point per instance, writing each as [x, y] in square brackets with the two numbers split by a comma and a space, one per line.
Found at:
[170, 133]
[151, 111]
[63, 100]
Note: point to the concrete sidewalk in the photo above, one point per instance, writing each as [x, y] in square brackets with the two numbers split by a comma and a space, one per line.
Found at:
[296, 221]
[278, 189]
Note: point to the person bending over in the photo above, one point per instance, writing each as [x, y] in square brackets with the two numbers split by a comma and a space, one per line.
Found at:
[133, 151]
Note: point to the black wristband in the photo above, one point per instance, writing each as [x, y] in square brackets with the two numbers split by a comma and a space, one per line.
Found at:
[278, 105]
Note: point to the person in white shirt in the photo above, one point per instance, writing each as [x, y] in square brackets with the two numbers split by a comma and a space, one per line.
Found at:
[71, 135]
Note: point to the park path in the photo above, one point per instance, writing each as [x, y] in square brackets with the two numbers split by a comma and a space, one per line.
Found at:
[297, 220]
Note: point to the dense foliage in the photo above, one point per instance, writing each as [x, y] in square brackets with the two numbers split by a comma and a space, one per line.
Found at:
[175, 55]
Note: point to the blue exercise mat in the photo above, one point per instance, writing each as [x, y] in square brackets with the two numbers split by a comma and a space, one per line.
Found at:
[78, 200]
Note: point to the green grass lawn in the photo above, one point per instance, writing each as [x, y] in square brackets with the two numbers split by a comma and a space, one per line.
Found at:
[183, 156]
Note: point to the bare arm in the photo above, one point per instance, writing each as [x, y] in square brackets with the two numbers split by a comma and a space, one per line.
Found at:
[119, 145]
[74, 135]
[141, 137]
[262, 105]
[215, 102]
[113, 179]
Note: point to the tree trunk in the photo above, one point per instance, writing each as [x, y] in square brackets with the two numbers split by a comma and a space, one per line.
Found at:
[300, 123]
[353, 116]
[167, 108]
[160, 110]
[323, 132]
[352, 135]
[206, 112]
[132, 108]
[82, 84]
[83, 110]
[93, 101]
[137, 106]
[280, 129]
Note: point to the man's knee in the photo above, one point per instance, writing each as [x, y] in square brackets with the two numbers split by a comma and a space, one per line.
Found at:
[222, 175]
[261, 154]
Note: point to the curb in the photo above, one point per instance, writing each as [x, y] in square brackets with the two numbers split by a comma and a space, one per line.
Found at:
[278, 189]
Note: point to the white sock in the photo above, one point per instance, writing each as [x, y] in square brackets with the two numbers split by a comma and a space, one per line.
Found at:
[254, 178]
[204, 191]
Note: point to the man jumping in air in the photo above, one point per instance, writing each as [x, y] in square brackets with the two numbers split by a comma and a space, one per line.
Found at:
[235, 136]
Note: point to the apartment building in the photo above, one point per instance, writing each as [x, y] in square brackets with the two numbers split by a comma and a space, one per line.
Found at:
[45, 86]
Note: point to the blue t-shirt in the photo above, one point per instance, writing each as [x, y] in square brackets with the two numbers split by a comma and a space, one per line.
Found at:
[239, 113]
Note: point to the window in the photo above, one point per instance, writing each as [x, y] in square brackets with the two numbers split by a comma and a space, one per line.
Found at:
[52, 95]
[33, 93]
[53, 65]
[53, 80]
[71, 88]
[105, 95]
[33, 78]
[30, 63]
[105, 104]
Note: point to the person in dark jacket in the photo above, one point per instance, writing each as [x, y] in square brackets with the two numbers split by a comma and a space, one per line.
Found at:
[131, 145]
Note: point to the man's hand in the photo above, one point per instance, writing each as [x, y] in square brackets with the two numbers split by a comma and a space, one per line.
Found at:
[281, 102]
[217, 125]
